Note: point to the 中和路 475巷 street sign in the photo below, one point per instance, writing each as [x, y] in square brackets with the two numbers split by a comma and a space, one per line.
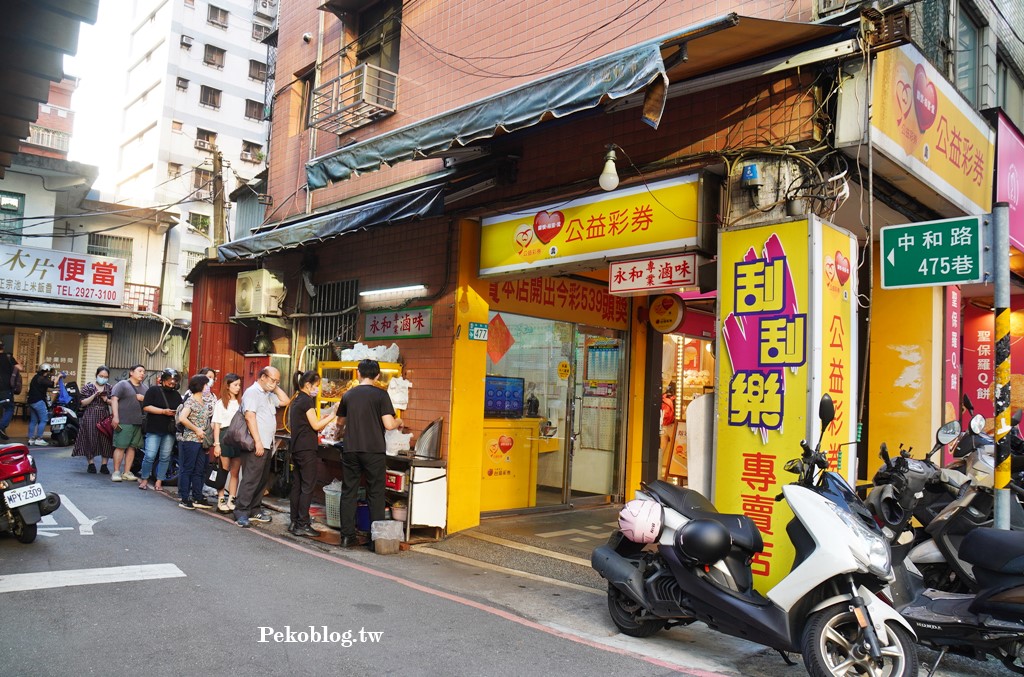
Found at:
[933, 253]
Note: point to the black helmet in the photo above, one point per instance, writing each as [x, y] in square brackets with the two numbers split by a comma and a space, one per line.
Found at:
[703, 542]
[169, 373]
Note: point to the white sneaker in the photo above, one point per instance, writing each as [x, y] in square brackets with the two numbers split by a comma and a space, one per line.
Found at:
[31, 442]
[116, 477]
[128, 476]
[40, 442]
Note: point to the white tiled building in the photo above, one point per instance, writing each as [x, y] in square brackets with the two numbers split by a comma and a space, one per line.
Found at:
[194, 84]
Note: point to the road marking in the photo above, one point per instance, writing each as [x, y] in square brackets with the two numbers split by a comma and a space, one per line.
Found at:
[528, 548]
[85, 524]
[68, 577]
[48, 521]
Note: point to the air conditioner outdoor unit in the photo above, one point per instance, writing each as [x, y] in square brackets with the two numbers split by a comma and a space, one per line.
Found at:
[186, 41]
[202, 145]
[258, 292]
[248, 157]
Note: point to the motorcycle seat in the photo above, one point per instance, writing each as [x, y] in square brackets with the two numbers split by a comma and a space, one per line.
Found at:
[995, 550]
[694, 505]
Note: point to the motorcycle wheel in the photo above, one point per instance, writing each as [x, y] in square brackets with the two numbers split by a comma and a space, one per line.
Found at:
[831, 647]
[62, 439]
[624, 612]
[25, 533]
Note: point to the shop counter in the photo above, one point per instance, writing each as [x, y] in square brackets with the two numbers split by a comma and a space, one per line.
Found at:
[509, 468]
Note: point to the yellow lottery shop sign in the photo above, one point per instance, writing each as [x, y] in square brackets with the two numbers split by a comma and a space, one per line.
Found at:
[658, 217]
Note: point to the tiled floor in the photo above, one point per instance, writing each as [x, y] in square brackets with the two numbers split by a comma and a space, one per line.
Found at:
[576, 532]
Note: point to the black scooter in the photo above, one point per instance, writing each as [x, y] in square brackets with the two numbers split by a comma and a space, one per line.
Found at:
[987, 622]
[64, 420]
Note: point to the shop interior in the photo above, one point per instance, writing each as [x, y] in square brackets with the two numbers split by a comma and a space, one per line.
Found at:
[687, 372]
[552, 418]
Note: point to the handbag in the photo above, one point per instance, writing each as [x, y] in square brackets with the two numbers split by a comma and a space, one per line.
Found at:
[216, 476]
[238, 434]
[16, 384]
[106, 427]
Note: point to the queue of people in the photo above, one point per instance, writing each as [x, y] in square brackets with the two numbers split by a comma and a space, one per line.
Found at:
[131, 415]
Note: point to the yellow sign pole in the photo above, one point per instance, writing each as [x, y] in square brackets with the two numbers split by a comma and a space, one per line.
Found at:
[1001, 274]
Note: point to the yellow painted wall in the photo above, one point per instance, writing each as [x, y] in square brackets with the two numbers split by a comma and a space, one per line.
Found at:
[905, 362]
[469, 367]
[635, 405]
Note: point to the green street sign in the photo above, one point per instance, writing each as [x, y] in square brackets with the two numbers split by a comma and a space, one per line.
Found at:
[933, 253]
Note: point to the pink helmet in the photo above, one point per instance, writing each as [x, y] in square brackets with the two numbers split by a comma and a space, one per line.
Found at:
[640, 521]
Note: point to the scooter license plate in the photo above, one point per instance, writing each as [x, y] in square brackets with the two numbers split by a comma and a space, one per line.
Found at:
[24, 495]
[58, 420]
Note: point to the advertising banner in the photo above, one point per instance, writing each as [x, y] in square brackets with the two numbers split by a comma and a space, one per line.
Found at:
[788, 323]
[1010, 176]
[658, 217]
[921, 122]
[61, 276]
[568, 300]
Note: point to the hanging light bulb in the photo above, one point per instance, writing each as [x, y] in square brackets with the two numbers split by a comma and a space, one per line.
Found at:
[609, 179]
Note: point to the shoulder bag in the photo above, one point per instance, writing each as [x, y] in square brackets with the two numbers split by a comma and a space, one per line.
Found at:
[238, 434]
[216, 476]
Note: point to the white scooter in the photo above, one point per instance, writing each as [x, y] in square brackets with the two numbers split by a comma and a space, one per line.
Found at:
[699, 570]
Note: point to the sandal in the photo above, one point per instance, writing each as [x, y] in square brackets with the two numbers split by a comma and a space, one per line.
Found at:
[143, 485]
[158, 486]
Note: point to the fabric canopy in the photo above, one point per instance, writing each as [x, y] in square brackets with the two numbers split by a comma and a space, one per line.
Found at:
[421, 203]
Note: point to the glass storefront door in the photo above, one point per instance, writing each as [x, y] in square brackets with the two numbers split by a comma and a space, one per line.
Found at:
[561, 442]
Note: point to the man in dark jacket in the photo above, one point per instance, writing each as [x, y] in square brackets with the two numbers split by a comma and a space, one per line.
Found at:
[8, 368]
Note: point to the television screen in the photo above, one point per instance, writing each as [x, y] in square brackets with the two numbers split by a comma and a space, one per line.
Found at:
[503, 397]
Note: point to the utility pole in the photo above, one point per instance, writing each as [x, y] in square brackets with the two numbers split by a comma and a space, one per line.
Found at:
[1001, 271]
[220, 225]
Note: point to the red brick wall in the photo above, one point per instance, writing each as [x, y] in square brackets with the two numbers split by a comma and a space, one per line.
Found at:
[531, 38]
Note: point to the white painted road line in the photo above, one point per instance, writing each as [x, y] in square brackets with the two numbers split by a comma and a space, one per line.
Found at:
[61, 579]
[85, 524]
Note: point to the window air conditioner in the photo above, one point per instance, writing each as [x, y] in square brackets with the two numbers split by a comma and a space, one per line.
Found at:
[258, 292]
[202, 145]
[249, 157]
[186, 41]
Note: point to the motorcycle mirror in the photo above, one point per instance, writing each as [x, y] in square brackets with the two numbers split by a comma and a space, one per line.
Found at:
[826, 411]
[947, 433]
[794, 465]
[1015, 419]
[978, 424]
[966, 403]
[884, 455]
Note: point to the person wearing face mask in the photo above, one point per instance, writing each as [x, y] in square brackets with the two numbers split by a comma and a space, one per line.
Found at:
[305, 422]
[160, 404]
[259, 404]
[90, 442]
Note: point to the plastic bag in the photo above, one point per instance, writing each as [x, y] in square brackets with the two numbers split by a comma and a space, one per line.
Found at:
[387, 530]
[396, 441]
[398, 390]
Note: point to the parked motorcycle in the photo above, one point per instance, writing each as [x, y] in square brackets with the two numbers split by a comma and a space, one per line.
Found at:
[64, 420]
[22, 499]
[698, 568]
[986, 622]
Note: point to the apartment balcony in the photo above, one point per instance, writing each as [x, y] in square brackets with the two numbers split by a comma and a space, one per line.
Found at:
[49, 138]
[353, 99]
[141, 297]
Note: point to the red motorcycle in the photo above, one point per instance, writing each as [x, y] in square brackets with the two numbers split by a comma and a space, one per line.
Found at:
[22, 500]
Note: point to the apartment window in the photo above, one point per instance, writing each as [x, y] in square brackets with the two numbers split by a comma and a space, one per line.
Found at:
[214, 56]
[217, 16]
[205, 139]
[202, 184]
[257, 70]
[101, 244]
[192, 258]
[252, 152]
[190, 3]
[173, 170]
[199, 223]
[253, 109]
[176, 126]
[209, 97]
[1010, 92]
[968, 42]
[379, 27]
[260, 32]
[12, 211]
[183, 84]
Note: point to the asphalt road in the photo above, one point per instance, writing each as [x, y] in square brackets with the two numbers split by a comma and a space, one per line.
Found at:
[217, 596]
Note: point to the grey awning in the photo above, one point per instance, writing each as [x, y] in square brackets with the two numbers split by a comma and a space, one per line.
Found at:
[571, 91]
[421, 203]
